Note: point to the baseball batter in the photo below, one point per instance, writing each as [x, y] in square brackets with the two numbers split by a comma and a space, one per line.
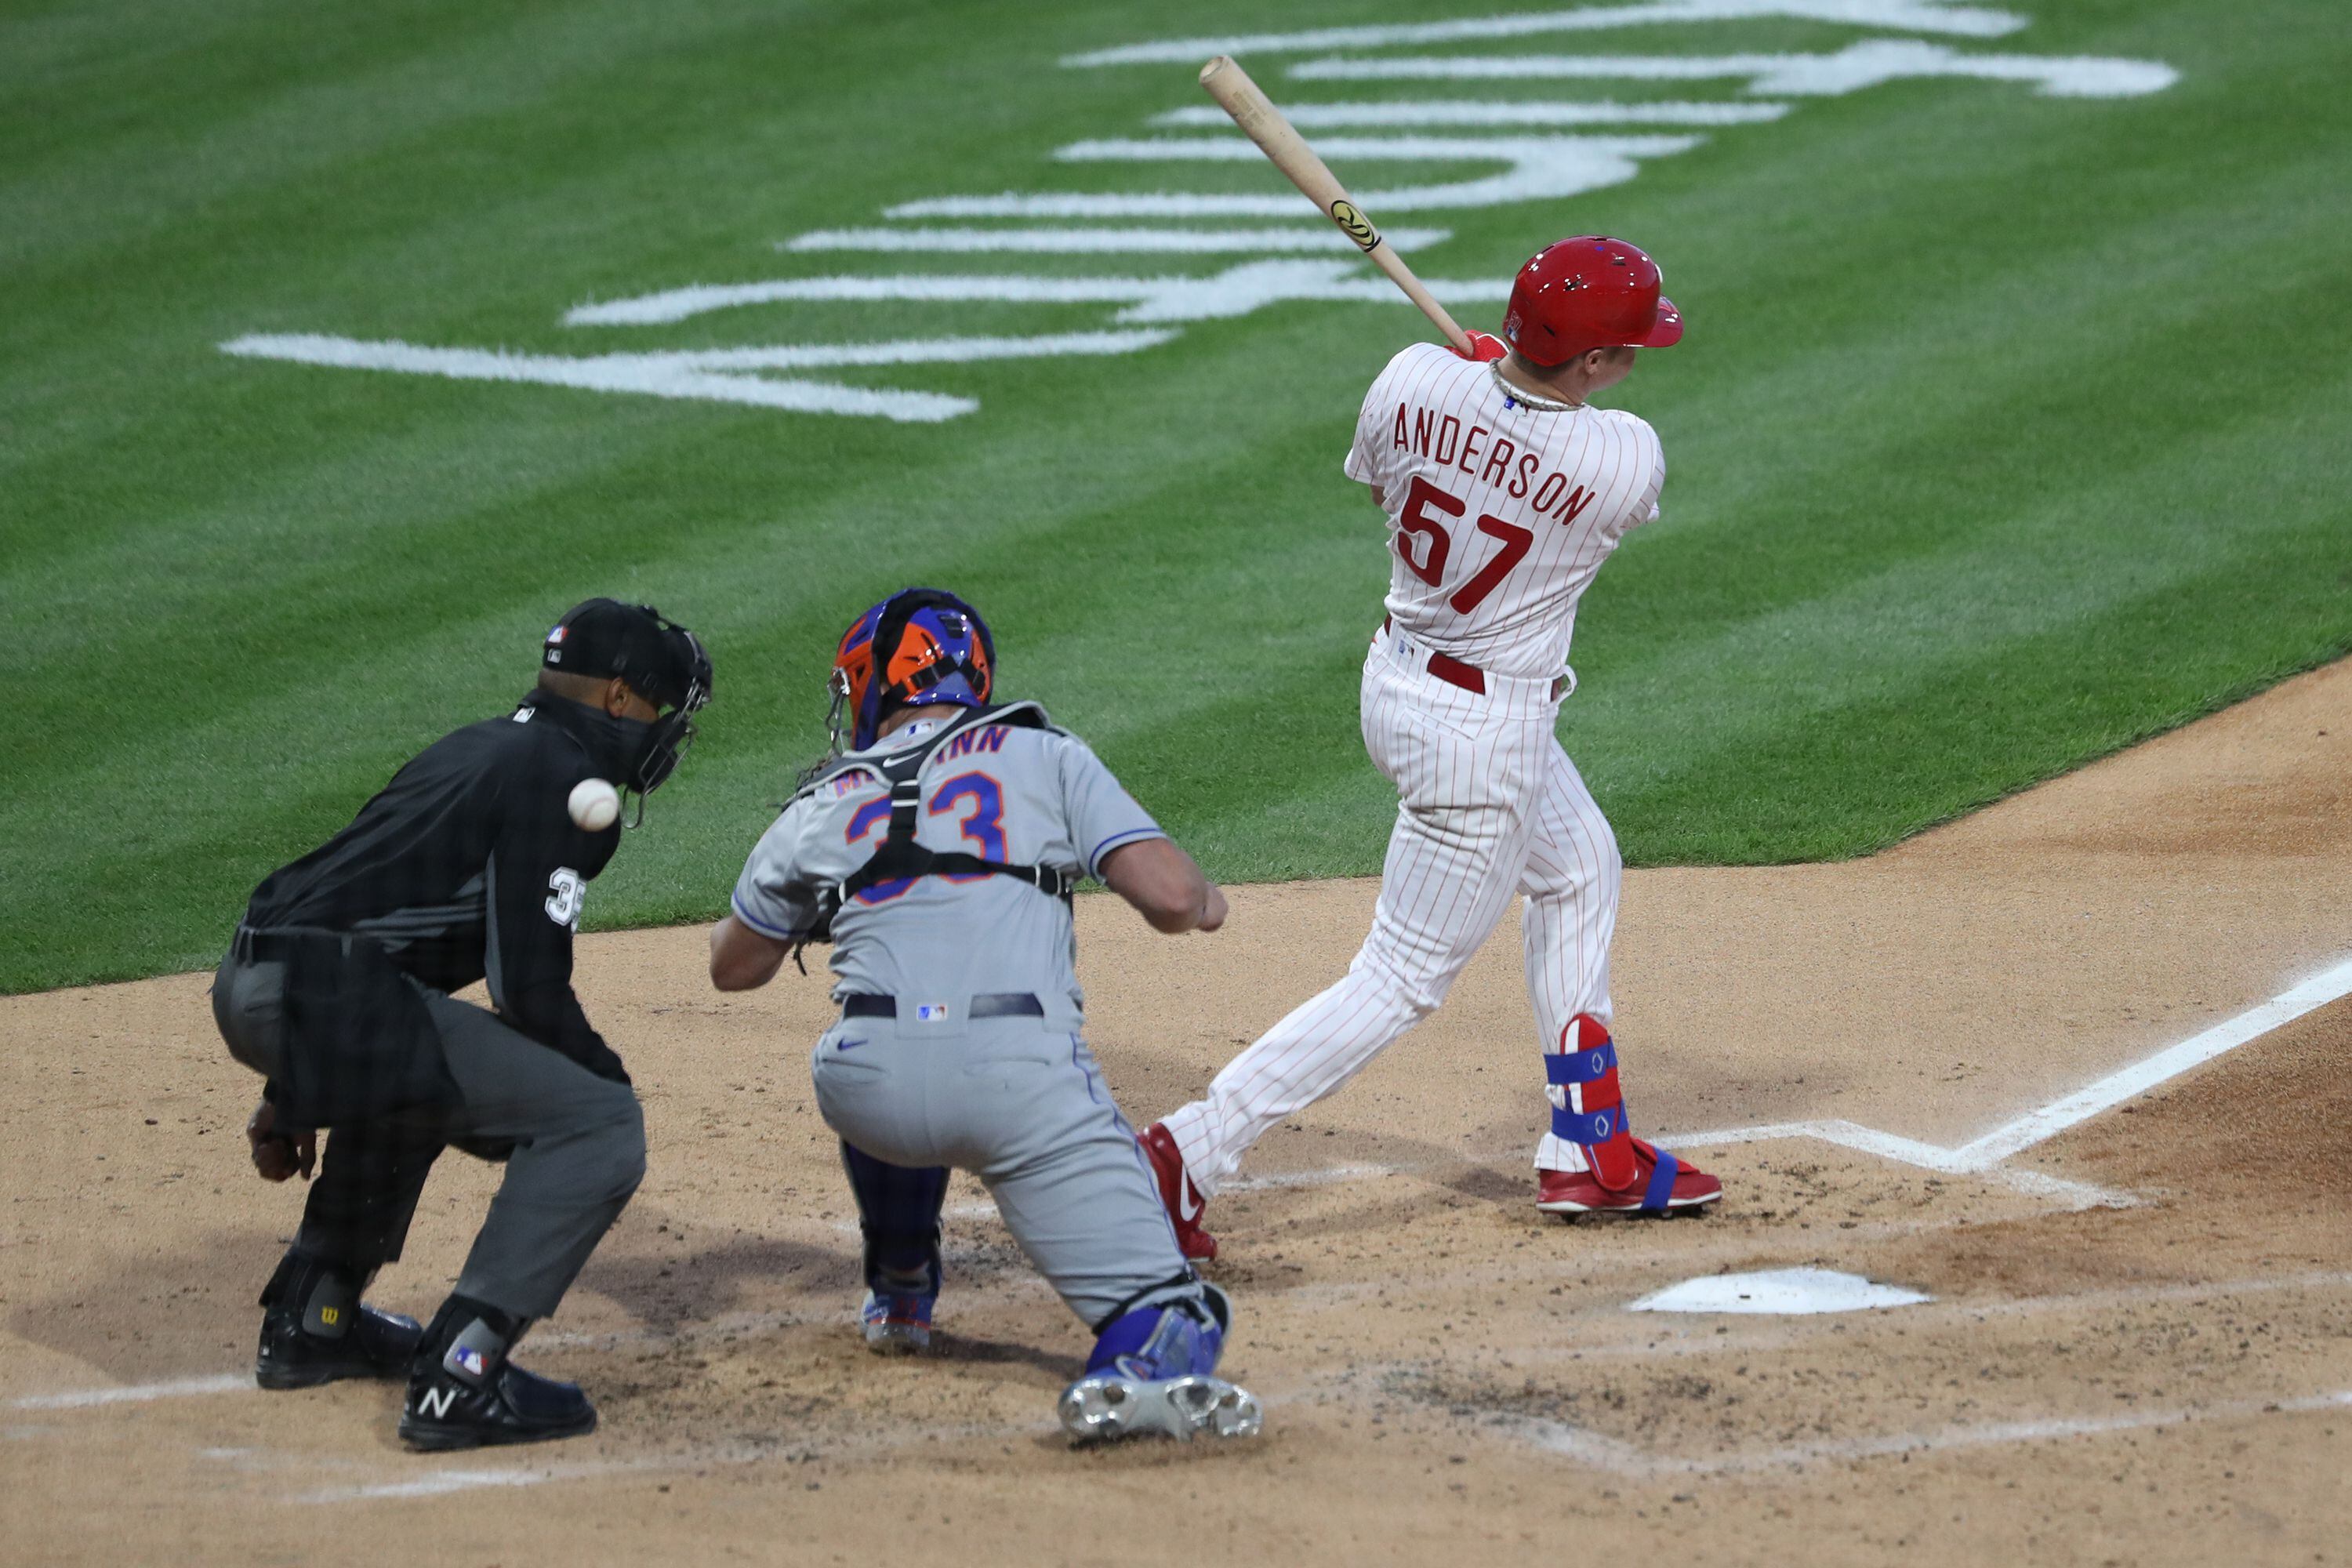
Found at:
[937, 854]
[1505, 491]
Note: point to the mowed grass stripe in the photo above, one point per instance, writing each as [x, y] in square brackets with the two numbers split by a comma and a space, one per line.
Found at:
[1965, 728]
[281, 100]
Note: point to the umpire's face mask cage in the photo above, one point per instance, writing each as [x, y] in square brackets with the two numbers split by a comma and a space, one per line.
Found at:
[667, 665]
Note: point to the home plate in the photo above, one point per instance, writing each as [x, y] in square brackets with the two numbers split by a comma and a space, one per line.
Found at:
[1783, 1290]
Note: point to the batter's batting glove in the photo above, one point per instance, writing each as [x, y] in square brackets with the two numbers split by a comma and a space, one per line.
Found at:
[278, 1155]
[1483, 346]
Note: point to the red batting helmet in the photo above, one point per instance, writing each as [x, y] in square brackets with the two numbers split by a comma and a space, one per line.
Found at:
[1589, 292]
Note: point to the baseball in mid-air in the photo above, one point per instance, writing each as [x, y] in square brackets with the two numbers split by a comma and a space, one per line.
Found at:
[594, 804]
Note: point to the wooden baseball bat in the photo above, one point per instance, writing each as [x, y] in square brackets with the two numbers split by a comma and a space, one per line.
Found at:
[1262, 122]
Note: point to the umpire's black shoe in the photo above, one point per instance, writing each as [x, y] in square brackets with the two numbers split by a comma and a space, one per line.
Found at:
[372, 1344]
[463, 1392]
[510, 1406]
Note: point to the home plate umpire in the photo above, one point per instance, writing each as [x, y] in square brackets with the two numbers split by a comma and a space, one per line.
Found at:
[471, 864]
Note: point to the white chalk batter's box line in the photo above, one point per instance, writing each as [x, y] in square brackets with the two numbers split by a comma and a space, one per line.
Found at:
[1987, 1156]
[1621, 1458]
[1544, 152]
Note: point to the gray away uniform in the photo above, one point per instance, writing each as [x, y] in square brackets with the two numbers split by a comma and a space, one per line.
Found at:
[1017, 1100]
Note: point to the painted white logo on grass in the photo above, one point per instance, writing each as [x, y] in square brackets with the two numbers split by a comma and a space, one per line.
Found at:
[1537, 150]
[718, 376]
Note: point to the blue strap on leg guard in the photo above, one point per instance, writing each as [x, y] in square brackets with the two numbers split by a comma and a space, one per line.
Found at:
[1662, 1185]
[1563, 1069]
[1171, 1339]
[1588, 1126]
[898, 1211]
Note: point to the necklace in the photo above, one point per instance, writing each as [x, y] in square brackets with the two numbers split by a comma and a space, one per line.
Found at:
[1519, 393]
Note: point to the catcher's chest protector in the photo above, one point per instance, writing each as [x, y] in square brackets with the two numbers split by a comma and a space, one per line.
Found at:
[900, 856]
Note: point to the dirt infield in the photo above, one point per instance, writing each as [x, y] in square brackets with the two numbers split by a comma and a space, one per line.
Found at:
[2138, 1349]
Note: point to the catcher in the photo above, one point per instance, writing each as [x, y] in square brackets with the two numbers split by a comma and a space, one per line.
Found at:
[937, 854]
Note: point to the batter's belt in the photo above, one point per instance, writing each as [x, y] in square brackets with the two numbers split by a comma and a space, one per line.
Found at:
[1469, 677]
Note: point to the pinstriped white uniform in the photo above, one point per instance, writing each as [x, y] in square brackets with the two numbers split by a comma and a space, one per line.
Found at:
[1500, 512]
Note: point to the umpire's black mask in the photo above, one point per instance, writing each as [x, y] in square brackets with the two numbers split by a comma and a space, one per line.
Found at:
[663, 663]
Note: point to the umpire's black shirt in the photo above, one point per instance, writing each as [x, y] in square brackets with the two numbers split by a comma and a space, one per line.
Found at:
[469, 866]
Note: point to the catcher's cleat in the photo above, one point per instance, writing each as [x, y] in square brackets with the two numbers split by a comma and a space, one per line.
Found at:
[1177, 1194]
[1151, 1374]
[1112, 1405]
[897, 1324]
[1660, 1185]
[463, 1392]
[371, 1345]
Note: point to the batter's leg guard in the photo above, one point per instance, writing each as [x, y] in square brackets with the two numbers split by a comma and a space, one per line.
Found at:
[315, 1329]
[1152, 1373]
[1588, 1109]
[898, 1214]
[1624, 1175]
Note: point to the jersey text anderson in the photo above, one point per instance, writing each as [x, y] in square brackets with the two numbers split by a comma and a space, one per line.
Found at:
[1491, 460]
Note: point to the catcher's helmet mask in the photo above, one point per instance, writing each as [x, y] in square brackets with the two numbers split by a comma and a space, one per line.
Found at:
[918, 647]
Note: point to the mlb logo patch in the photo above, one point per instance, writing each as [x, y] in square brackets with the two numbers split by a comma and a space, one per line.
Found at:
[470, 1361]
[930, 1012]
[556, 633]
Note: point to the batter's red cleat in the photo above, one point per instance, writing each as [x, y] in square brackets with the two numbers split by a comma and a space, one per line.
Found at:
[1660, 1185]
[1176, 1193]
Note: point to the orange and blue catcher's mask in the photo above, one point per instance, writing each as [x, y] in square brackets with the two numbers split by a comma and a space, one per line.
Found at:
[918, 647]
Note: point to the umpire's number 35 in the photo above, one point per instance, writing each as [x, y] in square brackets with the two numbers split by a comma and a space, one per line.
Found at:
[565, 893]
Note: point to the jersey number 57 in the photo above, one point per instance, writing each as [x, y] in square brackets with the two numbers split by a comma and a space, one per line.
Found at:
[1426, 558]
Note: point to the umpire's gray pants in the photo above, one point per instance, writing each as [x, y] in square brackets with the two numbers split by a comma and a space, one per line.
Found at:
[1020, 1103]
[577, 1140]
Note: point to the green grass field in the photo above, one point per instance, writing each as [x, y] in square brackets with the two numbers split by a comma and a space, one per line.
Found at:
[2009, 427]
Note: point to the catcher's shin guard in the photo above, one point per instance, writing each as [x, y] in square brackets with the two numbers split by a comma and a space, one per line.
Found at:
[1150, 1373]
[898, 1215]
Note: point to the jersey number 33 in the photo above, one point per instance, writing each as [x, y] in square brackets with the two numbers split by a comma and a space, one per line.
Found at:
[984, 826]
